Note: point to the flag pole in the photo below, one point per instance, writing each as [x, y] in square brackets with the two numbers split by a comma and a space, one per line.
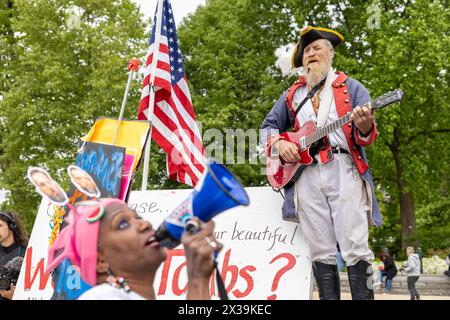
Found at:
[151, 105]
[133, 66]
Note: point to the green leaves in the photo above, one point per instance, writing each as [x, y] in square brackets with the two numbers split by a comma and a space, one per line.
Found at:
[62, 77]
[63, 64]
[229, 49]
[230, 55]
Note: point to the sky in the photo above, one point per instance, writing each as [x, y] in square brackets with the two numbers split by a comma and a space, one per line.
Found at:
[180, 7]
[2, 195]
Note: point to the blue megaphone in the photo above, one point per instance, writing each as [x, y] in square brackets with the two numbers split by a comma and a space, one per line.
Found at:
[216, 191]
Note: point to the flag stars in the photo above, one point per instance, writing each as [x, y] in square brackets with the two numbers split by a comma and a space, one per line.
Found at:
[168, 30]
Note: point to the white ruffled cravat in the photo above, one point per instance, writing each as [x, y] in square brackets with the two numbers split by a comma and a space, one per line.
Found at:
[326, 98]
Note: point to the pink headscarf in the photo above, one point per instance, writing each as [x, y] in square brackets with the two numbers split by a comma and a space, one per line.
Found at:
[79, 241]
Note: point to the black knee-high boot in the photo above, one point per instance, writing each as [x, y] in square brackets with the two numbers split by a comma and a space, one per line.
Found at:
[360, 279]
[327, 280]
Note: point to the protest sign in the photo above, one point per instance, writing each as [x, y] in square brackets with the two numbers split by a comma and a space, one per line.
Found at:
[263, 257]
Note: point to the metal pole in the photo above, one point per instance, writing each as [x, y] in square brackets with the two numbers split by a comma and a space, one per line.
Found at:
[124, 101]
[152, 93]
[148, 145]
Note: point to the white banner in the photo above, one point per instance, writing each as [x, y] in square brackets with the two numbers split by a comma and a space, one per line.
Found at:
[263, 257]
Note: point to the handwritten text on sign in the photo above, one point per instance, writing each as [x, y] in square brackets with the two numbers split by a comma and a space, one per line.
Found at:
[263, 257]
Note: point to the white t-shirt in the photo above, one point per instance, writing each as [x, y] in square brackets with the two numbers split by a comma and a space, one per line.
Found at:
[106, 291]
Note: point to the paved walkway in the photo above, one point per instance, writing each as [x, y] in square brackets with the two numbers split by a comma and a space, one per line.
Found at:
[347, 296]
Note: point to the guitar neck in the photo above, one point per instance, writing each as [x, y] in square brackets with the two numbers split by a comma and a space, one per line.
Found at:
[331, 127]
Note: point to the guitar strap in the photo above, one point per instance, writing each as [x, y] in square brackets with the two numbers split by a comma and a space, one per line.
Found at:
[308, 96]
[301, 104]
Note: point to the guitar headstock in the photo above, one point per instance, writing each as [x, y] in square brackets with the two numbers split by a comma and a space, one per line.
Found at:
[387, 99]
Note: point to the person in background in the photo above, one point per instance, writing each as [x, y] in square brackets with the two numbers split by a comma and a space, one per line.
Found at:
[388, 270]
[339, 259]
[13, 243]
[447, 260]
[412, 269]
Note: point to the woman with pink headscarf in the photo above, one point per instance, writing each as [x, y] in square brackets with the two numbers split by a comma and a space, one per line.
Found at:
[117, 254]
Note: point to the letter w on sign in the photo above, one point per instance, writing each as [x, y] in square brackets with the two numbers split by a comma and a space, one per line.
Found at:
[173, 120]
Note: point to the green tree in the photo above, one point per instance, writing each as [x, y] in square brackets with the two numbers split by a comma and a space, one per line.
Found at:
[6, 42]
[71, 68]
[412, 49]
[60, 72]
[6, 55]
[229, 49]
[407, 48]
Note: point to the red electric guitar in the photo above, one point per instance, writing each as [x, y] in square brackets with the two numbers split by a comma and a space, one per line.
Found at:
[280, 173]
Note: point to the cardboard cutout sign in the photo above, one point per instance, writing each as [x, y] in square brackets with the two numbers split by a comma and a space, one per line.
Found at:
[104, 163]
[46, 186]
[132, 135]
[83, 181]
[127, 176]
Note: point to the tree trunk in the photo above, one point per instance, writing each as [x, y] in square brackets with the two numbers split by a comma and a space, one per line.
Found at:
[407, 206]
[408, 219]
[9, 31]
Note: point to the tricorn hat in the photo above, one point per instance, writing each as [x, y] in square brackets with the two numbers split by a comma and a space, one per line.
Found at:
[311, 34]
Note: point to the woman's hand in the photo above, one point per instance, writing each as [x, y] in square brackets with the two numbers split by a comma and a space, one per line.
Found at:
[199, 250]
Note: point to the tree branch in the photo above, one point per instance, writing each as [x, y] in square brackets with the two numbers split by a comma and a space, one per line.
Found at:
[347, 26]
[406, 6]
[426, 132]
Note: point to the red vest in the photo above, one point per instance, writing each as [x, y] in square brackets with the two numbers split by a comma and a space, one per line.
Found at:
[343, 105]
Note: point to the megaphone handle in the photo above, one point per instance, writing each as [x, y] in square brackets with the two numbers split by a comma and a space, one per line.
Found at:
[192, 227]
[220, 285]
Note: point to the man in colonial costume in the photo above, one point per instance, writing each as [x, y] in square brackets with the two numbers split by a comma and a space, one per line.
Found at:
[333, 198]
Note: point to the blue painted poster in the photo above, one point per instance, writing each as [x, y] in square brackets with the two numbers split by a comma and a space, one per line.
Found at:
[104, 163]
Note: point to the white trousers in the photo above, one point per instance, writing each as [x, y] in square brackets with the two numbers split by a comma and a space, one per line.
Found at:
[332, 205]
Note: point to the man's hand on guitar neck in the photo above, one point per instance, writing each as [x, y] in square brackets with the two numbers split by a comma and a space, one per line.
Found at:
[363, 119]
[288, 151]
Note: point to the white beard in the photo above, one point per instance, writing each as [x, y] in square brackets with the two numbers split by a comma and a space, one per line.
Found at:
[314, 76]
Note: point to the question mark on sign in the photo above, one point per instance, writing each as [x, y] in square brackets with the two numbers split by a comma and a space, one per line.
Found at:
[291, 263]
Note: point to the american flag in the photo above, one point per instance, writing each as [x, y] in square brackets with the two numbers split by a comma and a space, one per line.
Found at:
[174, 123]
